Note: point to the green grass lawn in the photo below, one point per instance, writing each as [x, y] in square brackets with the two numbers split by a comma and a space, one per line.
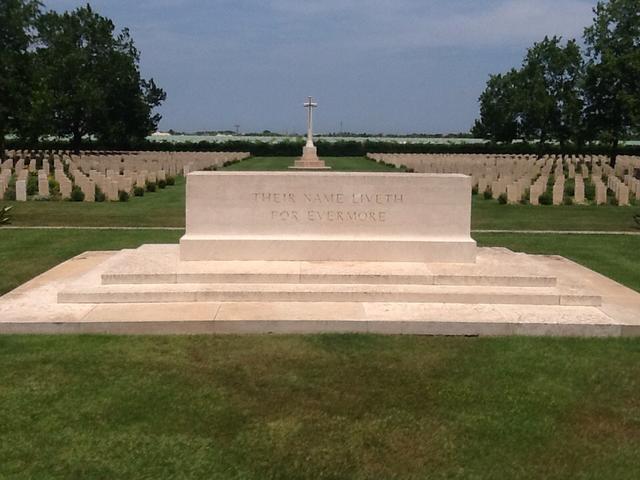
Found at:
[319, 407]
[162, 208]
[165, 208]
[490, 215]
[340, 164]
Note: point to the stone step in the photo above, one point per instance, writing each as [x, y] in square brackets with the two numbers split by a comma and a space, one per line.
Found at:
[161, 264]
[197, 292]
[346, 278]
[322, 317]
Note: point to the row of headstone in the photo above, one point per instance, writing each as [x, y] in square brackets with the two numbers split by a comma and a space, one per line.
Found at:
[601, 190]
[86, 184]
[537, 189]
[511, 175]
[112, 172]
[65, 183]
[634, 186]
[619, 189]
[172, 163]
[452, 163]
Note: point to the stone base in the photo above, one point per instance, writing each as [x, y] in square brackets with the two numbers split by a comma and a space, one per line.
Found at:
[300, 165]
[209, 247]
[309, 160]
[150, 291]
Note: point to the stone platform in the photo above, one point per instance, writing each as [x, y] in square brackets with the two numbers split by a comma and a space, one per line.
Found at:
[151, 291]
[309, 160]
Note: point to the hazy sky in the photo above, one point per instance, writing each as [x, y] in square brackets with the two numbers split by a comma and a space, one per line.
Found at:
[394, 66]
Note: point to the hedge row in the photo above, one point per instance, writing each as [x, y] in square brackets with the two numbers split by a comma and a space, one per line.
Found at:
[338, 148]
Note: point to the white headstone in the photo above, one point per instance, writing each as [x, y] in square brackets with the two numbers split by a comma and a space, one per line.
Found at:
[21, 190]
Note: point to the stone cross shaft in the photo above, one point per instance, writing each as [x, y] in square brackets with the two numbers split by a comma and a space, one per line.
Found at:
[310, 105]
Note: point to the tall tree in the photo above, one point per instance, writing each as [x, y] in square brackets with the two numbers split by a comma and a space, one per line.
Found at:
[131, 99]
[551, 98]
[91, 79]
[17, 22]
[534, 104]
[612, 84]
[499, 115]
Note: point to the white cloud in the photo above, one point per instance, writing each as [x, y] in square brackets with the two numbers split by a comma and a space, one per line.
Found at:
[512, 22]
[392, 24]
[430, 23]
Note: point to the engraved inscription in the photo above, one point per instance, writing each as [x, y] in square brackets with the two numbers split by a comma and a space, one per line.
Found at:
[274, 197]
[355, 208]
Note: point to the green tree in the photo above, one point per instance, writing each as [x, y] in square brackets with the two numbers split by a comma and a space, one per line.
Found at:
[17, 22]
[550, 96]
[131, 99]
[534, 104]
[91, 82]
[499, 114]
[612, 83]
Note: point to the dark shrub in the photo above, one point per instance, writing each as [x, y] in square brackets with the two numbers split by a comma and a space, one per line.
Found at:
[487, 194]
[502, 199]
[10, 191]
[123, 196]
[138, 191]
[162, 183]
[54, 189]
[171, 180]
[589, 191]
[570, 189]
[474, 190]
[151, 187]
[32, 184]
[545, 199]
[100, 196]
[568, 201]
[77, 195]
[551, 181]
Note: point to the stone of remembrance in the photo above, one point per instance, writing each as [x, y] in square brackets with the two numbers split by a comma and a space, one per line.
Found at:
[328, 217]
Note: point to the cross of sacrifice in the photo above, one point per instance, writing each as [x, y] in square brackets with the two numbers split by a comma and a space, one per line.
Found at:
[310, 105]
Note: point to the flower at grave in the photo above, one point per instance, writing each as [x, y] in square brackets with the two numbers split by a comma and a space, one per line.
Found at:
[4, 215]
